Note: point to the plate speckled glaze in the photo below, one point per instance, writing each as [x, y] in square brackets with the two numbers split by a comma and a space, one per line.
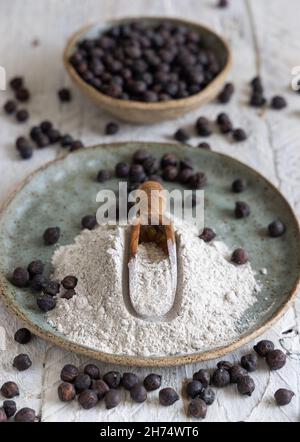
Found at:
[61, 192]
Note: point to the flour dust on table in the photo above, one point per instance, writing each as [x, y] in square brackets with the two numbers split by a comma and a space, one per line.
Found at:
[214, 294]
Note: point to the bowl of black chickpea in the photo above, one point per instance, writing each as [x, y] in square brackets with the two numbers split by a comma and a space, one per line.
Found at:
[148, 69]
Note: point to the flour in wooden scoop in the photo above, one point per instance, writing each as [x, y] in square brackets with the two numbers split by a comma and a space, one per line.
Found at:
[152, 294]
[215, 295]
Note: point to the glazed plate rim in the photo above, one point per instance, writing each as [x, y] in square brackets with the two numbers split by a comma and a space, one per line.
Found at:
[149, 361]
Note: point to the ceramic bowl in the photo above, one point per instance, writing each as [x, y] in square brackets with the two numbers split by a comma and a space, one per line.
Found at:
[140, 112]
[61, 192]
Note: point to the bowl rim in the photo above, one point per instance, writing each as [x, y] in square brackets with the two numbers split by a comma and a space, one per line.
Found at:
[141, 105]
[147, 361]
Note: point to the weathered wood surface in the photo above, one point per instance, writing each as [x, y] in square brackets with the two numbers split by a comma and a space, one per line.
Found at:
[265, 38]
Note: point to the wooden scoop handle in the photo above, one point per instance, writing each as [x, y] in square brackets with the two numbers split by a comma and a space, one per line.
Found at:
[154, 207]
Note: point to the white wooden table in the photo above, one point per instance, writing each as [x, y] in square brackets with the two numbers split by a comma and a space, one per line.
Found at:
[264, 37]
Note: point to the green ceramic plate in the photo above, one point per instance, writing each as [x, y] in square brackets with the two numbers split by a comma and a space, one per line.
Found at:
[63, 191]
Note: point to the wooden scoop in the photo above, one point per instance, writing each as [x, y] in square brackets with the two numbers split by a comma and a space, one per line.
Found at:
[153, 225]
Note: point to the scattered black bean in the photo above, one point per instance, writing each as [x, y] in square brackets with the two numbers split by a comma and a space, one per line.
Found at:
[226, 93]
[181, 135]
[9, 390]
[112, 399]
[168, 396]
[198, 181]
[35, 133]
[69, 282]
[111, 128]
[129, 380]
[207, 395]
[10, 107]
[92, 370]
[278, 103]
[140, 156]
[276, 229]
[76, 145]
[20, 277]
[36, 267]
[204, 146]
[103, 175]
[242, 209]
[184, 175]
[202, 376]
[249, 362]
[275, 359]
[46, 303]
[283, 396]
[69, 373]
[197, 408]
[170, 173]
[256, 84]
[238, 185]
[122, 170]
[151, 165]
[168, 159]
[220, 378]
[26, 152]
[38, 282]
[112, 378]
[64, 95]
[226, 365]
[194, 388]
[23, 336]
[224, 123]
[68, 294]
[22, 142]
[239, 257]
[22, 115]
[88, 399]
[66, 140]
[10, 408]
[51, 235]
[22, 94]
[236, 372]
[263, 347]
[54, 135]
[25, 415]
[100, 387]
[245, 385]
[223, 3]
[203, 127]
[46, 126]
[207, 234]
[22, 362]
[257, 99]
[239, 135]
[52, 288]
[138, 393]
[66, 392]
[16, 83]
[42, 141]
[82, 382]
[89, 222]
[152, 382]
[137, 173]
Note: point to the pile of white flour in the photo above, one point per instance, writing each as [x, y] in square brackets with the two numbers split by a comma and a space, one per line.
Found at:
[215, 295]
